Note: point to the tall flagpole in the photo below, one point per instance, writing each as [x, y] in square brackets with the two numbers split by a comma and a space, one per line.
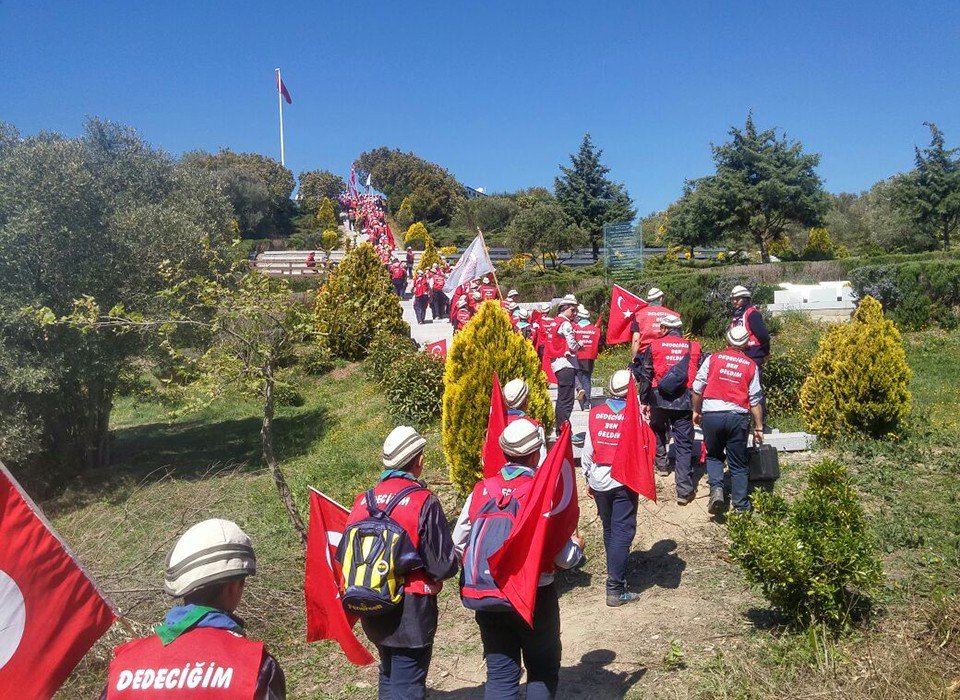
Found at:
[280, 106]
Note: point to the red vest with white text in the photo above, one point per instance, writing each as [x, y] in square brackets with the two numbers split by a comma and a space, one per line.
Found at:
[648, 321]
[496, 486]
[420, 287]
[752, 341]
[437, 281]
[729, 377]
[589, 337]
[668, 351]
[462, 316]
[407, 515]
[488, 291]
[604, 426]
[202, 663]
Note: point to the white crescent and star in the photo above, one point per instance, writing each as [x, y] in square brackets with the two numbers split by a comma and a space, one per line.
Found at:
[566, 474]
[13, 615]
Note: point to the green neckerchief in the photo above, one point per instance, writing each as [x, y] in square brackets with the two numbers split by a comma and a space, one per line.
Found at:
[396, 474]
[510, 472]
[168, 633]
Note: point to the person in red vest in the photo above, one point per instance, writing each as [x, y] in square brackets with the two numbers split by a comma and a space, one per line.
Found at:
[311, 260]
[646, 322]
[506, 637]
[487, 290]
[665, 380]
[438, 300]
[726, 394]
[398, 274]
[410, 258]
[474, 300]
[421, 296]
[758, 346]
[200, 650]
[462, 315]
[616, 504]
[563, 358]
[404, 638]
[545, 324]
[588, 335]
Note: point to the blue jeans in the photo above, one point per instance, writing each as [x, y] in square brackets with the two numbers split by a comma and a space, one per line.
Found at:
[725, 434]
[506, 637]
[403, 673]
[618, 513]
[665, 422]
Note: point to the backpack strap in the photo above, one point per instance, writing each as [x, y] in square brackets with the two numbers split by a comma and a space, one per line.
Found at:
[400, 495]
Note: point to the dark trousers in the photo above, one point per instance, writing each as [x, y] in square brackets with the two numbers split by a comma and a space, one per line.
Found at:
[585, 381]
[666, 422]
[506, 638]
[725, 434]
[399, 285]
[403, 673]
[618, 513]
[566, 379]
[420, 307]
[436, 304]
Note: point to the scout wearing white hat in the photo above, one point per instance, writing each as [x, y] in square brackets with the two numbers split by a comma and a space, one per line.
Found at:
[654, 294]
[401, 447]
[515, 393]
[521, 438]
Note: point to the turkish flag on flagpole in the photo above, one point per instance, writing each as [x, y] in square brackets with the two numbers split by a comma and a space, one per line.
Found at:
[493, 457]
[633, 460]
[548, 517]
[51, 611]
[623, 305]
[326, 618]
[283, 89]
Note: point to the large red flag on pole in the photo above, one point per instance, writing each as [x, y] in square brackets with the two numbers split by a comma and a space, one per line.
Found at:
[51, 611]
[548, 517]
[623, 306]
[493, 457]
[633, 460]
[326, 618]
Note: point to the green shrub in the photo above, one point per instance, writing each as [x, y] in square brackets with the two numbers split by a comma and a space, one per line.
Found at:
[356, 304]
[917, 293]
[413, 386]
[783, 377]
[813, 559]
[859, 379]
[385, 350]
[317, 360]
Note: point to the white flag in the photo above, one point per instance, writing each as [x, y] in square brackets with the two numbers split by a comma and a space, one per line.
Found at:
[473, 264]
[368, 179]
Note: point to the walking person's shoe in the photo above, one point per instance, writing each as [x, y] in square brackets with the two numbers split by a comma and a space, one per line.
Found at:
[717, 503]
[685, 499]
[581, 395]
[615, 601]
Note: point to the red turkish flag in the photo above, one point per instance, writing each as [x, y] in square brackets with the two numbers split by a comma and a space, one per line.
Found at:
[633, 461]
[493, 457]
[438, 348]
[623, 305]
[548, 517]
[326, 618]
[51, 611]
[283, 89]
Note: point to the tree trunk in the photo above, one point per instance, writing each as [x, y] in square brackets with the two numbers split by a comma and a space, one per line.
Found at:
[764, 253]
[946, 237]
[266, 435]
[595, 244]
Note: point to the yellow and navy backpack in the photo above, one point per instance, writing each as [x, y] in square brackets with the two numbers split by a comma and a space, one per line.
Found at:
[375, 554]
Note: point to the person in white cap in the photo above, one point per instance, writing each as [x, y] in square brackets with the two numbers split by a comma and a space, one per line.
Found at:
[616, 503]
[208, 568]
[516, 394]
[586, 356]
[665, 379]
[461, 315]
[513, 295]
[543, 326]
[506, 637]
[646, 321]
[404, 638]
[522, 320]
[489, 291]
[726, 394]
[563, 358]
[747, 315]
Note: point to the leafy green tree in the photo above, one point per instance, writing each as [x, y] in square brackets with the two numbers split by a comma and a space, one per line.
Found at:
[89, 216]
[691, 221]
[357, 303]
[930, 194]
[314, 185]
[762, 185]
[492, 215]
[326, 215]
[545, 231]
[589, 197]
[404, 215]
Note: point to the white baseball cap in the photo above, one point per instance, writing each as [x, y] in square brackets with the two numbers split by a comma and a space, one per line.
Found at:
[619, 383]
[654, 294]
[739, 291]
[671, 321]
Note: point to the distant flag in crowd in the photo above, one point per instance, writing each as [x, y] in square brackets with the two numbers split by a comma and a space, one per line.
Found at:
[438, 348]
[368, 180]
[473, 264]
[546, 521]
[326, 618]
[283, 89]
[623, 306]
[51, 611]
[353, 182]
[493, 457]
[633, 460]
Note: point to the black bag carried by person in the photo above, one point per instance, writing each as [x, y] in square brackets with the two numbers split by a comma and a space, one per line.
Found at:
[764, 463]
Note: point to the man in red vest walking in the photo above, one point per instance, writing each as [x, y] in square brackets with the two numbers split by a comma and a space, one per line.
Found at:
[726, 395]
[666, 373]
[646, 322]
[200, 650]
[404, 638]
[421, 296]
[563, 358]
[616, 504]
[588, 335]
[747, 315]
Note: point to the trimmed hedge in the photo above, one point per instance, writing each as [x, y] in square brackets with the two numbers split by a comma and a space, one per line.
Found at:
[916, 294]
[411, 380]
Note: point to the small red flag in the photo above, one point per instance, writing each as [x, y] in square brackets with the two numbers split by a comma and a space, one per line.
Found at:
[326, 618]
[633, 461]
[438, 348]
[51, 611]
[283, 89]
[493, 457]
[623, 305]
[548, 516]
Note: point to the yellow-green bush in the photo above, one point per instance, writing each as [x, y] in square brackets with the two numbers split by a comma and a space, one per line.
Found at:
[416, 232]
[404, 215]
[357, 303]
[859, 379]
[326, 215]
[430, 256]
[486, 344]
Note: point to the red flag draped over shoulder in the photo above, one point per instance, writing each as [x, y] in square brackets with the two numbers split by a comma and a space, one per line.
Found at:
[493, 457]
[547, 517]
[633, 461]
[51, 612]
[623, 305]
[326, 618]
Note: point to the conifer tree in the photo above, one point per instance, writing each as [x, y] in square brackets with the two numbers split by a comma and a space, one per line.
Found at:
[430, 256]
[487, 344]
[404, 215]
[326, 215]
[357, 303]
[859, 379]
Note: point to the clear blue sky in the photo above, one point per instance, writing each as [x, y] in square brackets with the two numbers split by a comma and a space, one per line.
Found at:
[498, 92]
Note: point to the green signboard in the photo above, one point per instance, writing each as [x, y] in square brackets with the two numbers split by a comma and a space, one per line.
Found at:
[622, 248]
